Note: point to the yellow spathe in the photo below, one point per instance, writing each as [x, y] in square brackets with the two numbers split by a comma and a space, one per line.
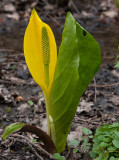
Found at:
[33, 51]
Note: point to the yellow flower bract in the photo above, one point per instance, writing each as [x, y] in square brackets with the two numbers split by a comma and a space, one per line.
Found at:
[33, 50]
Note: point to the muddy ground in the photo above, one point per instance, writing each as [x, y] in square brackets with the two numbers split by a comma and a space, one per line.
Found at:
[98, 105]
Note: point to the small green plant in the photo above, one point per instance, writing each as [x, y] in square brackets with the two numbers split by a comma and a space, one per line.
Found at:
[86, 145]
[30, 103]
[26, 148]
[71, 147]
[8, 109]
[117, 63]
[12, 67]
[57, 156]
[34, 140]
[106, 143]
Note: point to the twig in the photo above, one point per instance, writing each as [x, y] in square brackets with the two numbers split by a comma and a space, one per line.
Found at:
[88, 121]
[84, 120]
[75, 7]
[33, 144]
[4, 81]
[46, 2]
[104, 85]
[6, 50]
[4, 157]
[69, 154]
[29, 144]
[5, 63]
[54, 19]
[7, 82]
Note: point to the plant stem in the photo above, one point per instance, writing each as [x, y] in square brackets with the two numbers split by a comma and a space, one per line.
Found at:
[47, 100]
[48, 106]
[50, 123]
[52, 127]
[46, 72]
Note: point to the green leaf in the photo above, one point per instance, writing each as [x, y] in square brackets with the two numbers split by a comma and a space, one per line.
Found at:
[12, 67]
[78, 60]
[90, 136]
[102, 138]
[111, 148]
[84, 139]
[96, 140]
[103, 144]
[112, 158]
[86, 144]
[116, 133]
[114, 125]
[30, 102]
[118, 55]
[117, 65]
[26, 147]
[86, 131]
[3, 125]
[8, 109]
[58, 157]
[75, 150]
[96, 148]
[34, 140]
[92, 154]
[116, 142]
[12, 128]
[73, 143]
[87, 147]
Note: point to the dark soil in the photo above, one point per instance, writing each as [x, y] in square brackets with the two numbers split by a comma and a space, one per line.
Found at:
[100, 102]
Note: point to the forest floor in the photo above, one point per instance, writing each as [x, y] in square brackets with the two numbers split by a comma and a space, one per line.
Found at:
[100, 102]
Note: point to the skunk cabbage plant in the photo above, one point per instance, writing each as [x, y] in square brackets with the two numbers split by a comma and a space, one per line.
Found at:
[63, 79]
[41, 56]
